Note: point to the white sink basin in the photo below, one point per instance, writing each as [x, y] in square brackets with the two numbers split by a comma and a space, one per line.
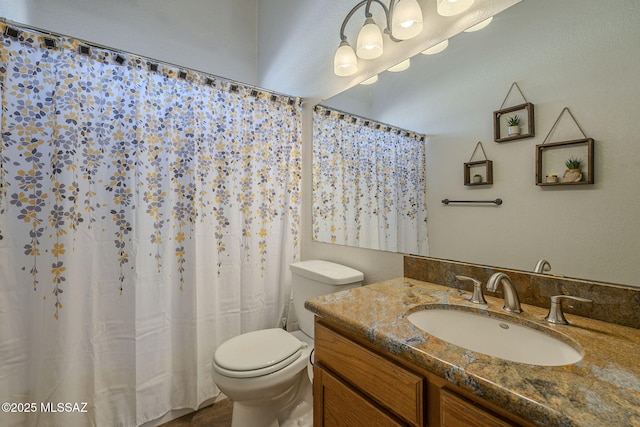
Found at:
[495, 336]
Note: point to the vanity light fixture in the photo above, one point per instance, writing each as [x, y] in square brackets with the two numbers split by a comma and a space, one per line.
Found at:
[479, 25]
[403, 21]
[370, 80]
[436, 48]
[453, 7]
[401, 66]
[345, 62]
[369, 45]
[406, 21]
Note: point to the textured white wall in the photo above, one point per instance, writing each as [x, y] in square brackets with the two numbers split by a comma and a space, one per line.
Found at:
[218, 37]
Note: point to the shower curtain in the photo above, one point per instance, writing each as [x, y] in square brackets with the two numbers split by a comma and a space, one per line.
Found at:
[369, 186]
[147, 214]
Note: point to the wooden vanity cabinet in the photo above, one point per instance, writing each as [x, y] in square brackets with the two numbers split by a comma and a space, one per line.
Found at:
[357, 385]
[342, 405]
[457, 411]
[392, 390]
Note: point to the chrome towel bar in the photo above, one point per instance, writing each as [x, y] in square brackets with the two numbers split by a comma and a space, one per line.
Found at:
[496, 201]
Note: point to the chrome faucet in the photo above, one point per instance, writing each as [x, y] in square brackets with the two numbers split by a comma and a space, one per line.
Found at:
[555, 310]
[511, 300]
[542, 266]
[477, 296]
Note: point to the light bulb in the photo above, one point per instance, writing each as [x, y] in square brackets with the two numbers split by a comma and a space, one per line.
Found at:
[436, 48]
[401, 66]
[479, 26]
[407, 20]
[345, 62]
[369, 45]
[453, 7]
[370, 80]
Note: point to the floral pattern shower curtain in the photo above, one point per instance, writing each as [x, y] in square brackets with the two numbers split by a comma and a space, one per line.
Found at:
[369, 186]
[145, 217]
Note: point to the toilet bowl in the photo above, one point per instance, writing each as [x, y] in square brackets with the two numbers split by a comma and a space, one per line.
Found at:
[265, 372]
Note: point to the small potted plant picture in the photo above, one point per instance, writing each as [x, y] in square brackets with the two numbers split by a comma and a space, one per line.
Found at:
[514, 125]
[574, 170]
[477, 178]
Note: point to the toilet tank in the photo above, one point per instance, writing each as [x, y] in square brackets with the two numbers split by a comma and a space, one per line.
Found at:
[313, 278]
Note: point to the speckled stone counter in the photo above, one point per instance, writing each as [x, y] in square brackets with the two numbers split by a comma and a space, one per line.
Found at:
[603, 389]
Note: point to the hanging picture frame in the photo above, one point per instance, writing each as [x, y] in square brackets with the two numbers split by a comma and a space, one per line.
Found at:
[478, 172]
[552, 157]
[514, 122]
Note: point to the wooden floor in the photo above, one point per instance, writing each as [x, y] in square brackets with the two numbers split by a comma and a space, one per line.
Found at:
[216, 415]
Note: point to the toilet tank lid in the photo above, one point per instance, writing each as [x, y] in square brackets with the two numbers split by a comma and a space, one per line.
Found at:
[327, 272]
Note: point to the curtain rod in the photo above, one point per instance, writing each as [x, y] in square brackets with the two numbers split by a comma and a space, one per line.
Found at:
[6, 21]
[396, 128]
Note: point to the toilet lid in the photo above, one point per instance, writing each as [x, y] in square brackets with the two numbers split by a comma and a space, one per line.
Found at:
[257, 353]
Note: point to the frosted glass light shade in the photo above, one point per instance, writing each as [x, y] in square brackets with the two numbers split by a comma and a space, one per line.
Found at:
[345, 62]
[479, 25]
[369, 45]
[453, 7]
[401, 66]
[436, 48]
[407, 20]
[370, 80]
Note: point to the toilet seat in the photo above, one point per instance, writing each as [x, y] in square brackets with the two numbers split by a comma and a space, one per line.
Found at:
[257, 353]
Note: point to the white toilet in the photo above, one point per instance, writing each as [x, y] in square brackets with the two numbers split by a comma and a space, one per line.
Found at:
[265, 372]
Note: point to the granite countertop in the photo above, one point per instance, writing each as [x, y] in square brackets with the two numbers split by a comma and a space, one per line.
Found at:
[603, 389]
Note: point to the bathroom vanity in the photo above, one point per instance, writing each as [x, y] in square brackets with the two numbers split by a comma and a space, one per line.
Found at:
[374, 367]
[378, 386]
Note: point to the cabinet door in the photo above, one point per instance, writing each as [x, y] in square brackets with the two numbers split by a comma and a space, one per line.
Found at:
[335, 404]
[389, 385]
[456, 411]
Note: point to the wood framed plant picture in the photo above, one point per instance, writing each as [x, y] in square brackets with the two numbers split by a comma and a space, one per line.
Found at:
[478, 172]
[574, 157]
[515, 122]
[482, 171]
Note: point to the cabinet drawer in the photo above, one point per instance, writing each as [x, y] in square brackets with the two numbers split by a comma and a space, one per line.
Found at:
[457, 411]
[388, 384]
[339, 405]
